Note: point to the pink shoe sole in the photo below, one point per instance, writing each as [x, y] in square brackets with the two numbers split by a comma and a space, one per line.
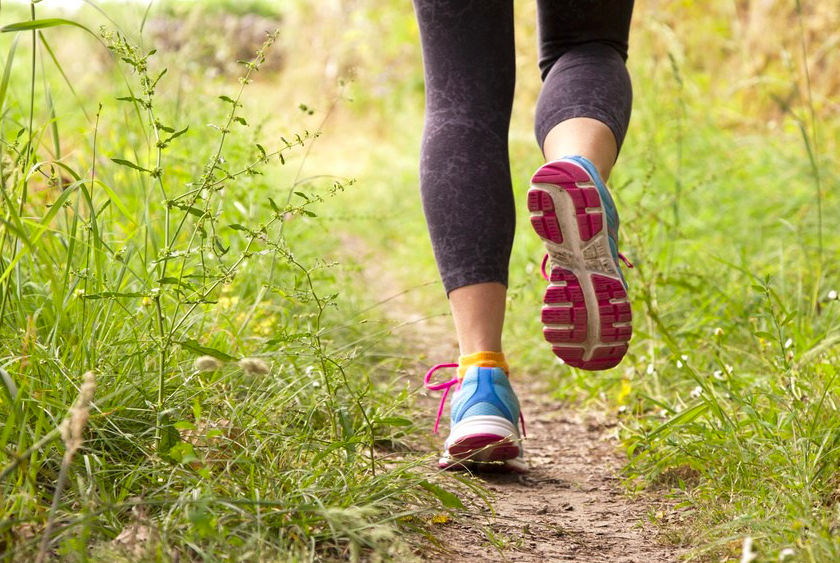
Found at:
[485, 453]
[586, 317]
[484, 447]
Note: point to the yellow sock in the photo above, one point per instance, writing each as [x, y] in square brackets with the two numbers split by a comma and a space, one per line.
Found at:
[482, 359]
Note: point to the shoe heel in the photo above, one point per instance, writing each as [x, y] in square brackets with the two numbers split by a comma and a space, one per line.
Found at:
[485, 439]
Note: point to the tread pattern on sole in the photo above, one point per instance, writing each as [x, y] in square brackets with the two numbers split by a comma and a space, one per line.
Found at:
[565, 305]
[545, 224]
[586, 200]
[565, 315]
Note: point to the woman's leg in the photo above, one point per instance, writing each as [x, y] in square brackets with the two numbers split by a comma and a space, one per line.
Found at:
[468, 56]
[581, 120]
[584, 105]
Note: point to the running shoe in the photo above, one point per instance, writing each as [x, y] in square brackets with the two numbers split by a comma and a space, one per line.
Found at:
[483, 421]
[586, 314]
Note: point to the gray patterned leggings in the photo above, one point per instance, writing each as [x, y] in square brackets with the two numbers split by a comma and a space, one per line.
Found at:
[468, 57]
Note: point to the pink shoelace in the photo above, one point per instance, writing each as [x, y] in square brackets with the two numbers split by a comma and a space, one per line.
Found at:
[446, 387]
[545, 262]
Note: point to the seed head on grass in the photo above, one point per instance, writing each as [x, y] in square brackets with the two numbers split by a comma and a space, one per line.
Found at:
[73, 425]
[70, 429]
[254, 366]
[207, 363]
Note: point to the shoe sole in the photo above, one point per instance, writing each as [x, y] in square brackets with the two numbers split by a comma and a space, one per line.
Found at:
[483, 440]
[586, 314]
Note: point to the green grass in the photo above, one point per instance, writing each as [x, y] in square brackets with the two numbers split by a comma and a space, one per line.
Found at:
[726, 186]
[158, 235]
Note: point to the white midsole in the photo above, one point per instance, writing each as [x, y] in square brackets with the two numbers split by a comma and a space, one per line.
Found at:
[483, 424]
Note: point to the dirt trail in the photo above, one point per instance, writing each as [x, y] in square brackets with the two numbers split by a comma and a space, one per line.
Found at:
[570, 507]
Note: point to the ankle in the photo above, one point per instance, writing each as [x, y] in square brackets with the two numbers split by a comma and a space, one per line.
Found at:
[485, 359]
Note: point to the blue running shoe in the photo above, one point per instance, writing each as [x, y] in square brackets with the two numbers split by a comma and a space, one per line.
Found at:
[586, 314]
[484, 420]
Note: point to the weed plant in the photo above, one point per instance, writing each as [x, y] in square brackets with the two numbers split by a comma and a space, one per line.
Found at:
[175, 380]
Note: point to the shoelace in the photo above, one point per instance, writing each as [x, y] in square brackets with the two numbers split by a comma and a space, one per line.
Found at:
[447, 386]
[545, 262]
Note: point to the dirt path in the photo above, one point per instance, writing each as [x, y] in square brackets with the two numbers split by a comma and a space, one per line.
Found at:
[570, 507]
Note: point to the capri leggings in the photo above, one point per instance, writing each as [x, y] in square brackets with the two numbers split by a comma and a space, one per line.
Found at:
[469, 63]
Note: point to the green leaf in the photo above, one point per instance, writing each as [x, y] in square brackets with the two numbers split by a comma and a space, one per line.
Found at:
[169, 436]
[308, 213]
[183, 452]
[227, 99]
[393, 421]
[8, 385]
[129, 99]
[201, 521]
[765, 334]
[682, 417]
[197, 348]
[790, 316]
[273, 205]
[191, 210]
[219, 246]
[237, 227]
[117, 201]
[446, 498]
[262, 150]
[241, 120]
[41, 24]
[177, 134]
[159, 76]
[4, 85]
[130, 164]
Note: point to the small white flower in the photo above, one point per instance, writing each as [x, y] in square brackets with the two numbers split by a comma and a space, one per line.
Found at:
[718, 331]
[717, 374]
[254, 366]
[650, 369]
[729, 369]
[316, 384]
[622, 408]
[788, 343]
[696, 392]
[747, 553]
[679, 363]
[786, 552]
[832, 296]
[207, 363]
[684, 357]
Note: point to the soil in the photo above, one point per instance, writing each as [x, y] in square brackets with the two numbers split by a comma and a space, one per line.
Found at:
[571, 506]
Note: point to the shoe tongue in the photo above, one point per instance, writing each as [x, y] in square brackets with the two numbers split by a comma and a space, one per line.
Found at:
[483, 360]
